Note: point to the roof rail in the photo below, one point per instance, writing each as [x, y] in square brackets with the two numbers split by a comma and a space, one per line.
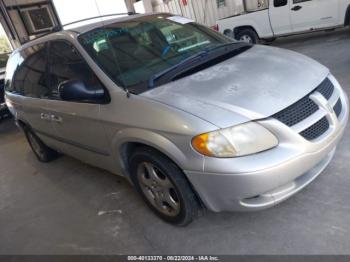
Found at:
[59, 28]
[101, 16]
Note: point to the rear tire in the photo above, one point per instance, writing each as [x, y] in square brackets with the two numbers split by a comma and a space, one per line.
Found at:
[41, 151]
[247, 36]
[163, 186]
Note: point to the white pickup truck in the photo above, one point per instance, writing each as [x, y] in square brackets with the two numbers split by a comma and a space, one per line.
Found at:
[275, 18]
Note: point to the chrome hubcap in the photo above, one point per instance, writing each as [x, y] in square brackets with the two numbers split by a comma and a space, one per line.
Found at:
[246, 39]
[158, 189]
[35, 145]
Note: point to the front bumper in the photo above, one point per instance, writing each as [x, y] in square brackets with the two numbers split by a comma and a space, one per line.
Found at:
[265, 179]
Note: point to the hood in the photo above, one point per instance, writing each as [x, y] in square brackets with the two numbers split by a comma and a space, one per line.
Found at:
[252, 85]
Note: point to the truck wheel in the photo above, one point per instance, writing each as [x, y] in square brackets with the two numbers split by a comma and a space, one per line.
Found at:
[247, 36]
[41, 151]
[163, 186]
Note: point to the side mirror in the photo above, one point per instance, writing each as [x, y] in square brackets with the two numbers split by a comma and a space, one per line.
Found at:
[78, 91]
[279, 3]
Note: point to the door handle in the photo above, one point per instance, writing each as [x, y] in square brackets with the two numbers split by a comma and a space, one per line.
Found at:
[296, 8]
[56, 119]
[45, 117]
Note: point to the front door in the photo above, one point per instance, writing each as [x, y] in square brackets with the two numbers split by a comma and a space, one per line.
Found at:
[308, 15]
[279, 12]
[77, 124]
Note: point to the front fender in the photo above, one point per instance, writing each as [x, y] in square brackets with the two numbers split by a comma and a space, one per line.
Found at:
[148, 138]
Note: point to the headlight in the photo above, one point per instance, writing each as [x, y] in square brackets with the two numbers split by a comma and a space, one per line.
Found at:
[235, 141]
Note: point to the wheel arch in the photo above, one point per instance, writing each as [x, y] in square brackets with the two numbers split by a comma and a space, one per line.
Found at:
[239, 29]
[130, 139]
[228, 33]
[127, 148]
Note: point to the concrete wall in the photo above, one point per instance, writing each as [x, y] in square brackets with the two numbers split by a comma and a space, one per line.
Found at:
[203, 11]
[144, 6]
[13, 23]
[130, 5]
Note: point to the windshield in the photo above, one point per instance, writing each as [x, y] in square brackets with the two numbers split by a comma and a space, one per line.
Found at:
[132, 52]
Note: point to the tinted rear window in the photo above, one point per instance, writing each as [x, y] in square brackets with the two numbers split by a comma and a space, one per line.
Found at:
[26, 72]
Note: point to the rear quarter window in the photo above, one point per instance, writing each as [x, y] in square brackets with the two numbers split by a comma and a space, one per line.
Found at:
[12, 64]
[26, 72]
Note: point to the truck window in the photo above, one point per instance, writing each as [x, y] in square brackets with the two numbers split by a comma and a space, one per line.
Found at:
[279, 3]
[256, 5]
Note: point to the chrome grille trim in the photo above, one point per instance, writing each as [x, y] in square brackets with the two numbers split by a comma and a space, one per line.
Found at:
[305, 107]
[306, 117]
[306, 123]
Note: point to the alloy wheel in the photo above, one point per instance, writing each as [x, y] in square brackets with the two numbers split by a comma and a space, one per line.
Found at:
[158, 189]
[246, 39]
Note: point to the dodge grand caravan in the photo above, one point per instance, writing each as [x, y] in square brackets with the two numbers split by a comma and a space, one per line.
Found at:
[190, 117]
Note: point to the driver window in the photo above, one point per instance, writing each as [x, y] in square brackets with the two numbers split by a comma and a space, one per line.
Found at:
[65, 63]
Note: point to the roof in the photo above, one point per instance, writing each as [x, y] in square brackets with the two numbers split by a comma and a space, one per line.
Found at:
[85, 28]
[99, 22]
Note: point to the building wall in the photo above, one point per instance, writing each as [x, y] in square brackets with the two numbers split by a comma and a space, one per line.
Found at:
[203, 11]
[14, 24]
[130, 5]
[67, 10]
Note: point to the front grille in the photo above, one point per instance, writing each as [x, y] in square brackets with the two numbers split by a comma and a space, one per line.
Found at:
[305, 108]
[316, 130]
[338, 107]
[297, 112]
[326, 88]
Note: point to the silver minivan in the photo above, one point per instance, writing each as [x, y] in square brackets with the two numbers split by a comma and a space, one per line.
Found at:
[190, 117]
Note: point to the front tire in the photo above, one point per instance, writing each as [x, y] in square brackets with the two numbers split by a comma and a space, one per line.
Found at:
[163, 186]
[248, 36]
[41, 151]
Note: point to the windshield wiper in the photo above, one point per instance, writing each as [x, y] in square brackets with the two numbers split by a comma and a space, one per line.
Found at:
[215, 47]
[188, 62]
